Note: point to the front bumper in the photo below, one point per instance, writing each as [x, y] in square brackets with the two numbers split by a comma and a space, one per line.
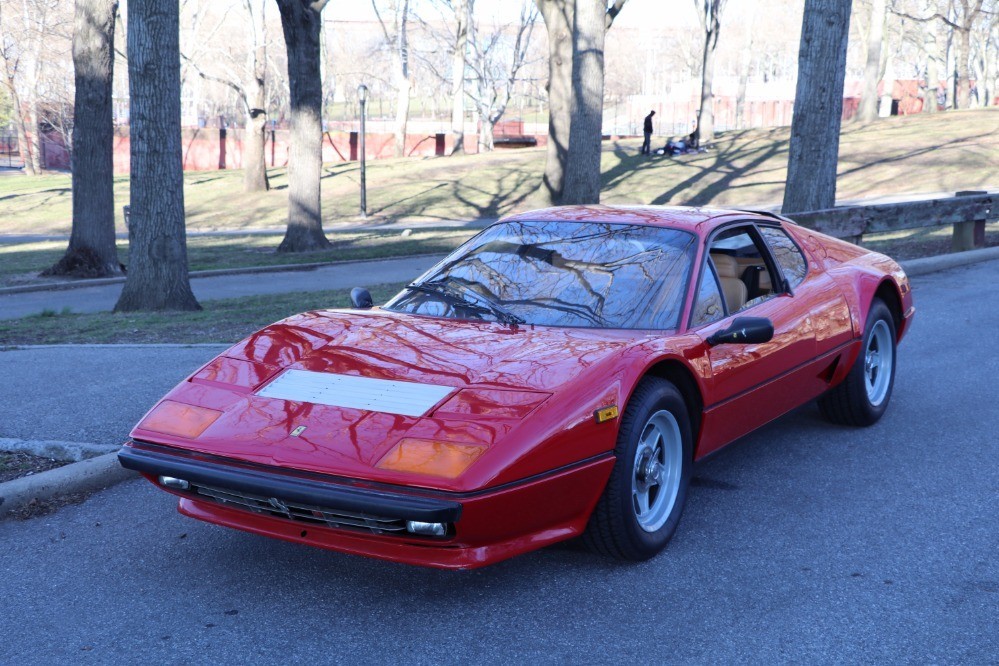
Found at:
[362, 518]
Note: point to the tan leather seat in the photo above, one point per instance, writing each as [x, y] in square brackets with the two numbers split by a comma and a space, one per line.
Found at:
[729, 273]
[746, 262]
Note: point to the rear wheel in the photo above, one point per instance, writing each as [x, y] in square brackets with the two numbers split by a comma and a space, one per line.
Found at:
[862, 398]
[642, 503]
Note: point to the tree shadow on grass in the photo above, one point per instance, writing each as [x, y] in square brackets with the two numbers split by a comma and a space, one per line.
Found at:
[50, 192]
[479, 199]
[715, 171]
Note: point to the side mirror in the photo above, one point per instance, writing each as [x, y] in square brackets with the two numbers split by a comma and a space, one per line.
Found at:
[360, 298]
[744, 330]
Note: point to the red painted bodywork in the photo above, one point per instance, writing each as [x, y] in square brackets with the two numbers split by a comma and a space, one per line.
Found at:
[529, 393]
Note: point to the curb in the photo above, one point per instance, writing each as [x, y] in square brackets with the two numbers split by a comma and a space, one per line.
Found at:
[103, 471]
[124, 345]
[942, 262]
[87, 475]
[289, 268]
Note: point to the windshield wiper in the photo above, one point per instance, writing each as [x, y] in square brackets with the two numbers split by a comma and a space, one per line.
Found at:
[442, 287]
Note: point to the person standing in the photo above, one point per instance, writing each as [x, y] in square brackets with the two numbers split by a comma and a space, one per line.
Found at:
[647, 145]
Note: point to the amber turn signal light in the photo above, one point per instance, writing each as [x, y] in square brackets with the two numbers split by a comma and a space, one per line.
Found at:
[176, 418]
[606, 413]
[424, 456]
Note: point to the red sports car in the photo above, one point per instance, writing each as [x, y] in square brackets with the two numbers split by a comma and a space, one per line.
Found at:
[554, 377]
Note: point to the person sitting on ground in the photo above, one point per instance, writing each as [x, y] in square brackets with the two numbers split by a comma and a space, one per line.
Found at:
[694, 139]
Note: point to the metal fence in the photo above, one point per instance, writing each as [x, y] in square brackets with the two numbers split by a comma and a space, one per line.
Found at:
[10, 154]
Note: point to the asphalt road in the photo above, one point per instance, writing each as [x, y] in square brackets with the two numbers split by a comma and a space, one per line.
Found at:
[804, 543]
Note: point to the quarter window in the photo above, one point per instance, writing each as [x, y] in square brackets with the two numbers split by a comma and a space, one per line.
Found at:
[786, 253]
[708, 305]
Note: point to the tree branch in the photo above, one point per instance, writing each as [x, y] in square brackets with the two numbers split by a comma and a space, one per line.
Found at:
[613, 11]
[226, 82]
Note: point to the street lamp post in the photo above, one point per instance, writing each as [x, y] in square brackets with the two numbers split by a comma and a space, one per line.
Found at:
[362, 96]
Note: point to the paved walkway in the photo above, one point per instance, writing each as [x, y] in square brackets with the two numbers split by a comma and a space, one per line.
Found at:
[372, 225]
[337, 276]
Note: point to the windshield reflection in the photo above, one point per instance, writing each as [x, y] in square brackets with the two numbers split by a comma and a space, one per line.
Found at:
[558, 273]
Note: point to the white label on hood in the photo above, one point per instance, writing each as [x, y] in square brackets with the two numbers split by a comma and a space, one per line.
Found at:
[376, 395]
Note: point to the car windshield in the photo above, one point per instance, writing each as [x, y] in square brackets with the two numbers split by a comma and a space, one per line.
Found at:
[558, 273]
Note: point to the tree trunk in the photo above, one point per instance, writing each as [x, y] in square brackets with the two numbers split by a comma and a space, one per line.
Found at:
[950, 82]
[745, 63]
[818, 107]
[255, 135]
[92, 251]
[401, 114]
[402, 82]
[963, 57]
[20, 128]
[559, 21]
[486, 138]
[157, 275]
[582, 171]
[868, 110]
[988, 84]
[706, 113]
[35, 137]
[932, 78]
[462, 11]
[301, 21]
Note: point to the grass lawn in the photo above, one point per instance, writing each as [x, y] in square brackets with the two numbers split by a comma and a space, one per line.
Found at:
[909, 154]
[21, 262]
[224, 321]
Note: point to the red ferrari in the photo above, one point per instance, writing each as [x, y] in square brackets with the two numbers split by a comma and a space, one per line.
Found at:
[554, 377]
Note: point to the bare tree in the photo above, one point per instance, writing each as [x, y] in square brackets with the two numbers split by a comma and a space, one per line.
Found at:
[301, 21]
[462, 11]
[255, 99]
[248, 81]
[709, 15]
[818, 107]
[158, 275]
[92, 251]
[576, 33]
[868, 110]
[960, 16]
[496, 60]
[745, 65]
[23, 31]
[985, 43]
[397, 42]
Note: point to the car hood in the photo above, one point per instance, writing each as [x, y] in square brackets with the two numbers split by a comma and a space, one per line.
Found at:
[387, 345]
[482, 380]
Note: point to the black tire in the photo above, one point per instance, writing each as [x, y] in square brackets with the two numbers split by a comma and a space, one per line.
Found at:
[849, 402]
[615, 529]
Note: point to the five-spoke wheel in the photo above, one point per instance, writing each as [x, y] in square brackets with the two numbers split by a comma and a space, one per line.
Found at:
[862, 397]
[646, 491]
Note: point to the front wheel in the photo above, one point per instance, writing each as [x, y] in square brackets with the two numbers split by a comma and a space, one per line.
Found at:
[862, 398]
[642, 503]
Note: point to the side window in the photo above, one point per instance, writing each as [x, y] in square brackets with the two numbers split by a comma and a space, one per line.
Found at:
[790, 259]
[742, 271]
[708, 303]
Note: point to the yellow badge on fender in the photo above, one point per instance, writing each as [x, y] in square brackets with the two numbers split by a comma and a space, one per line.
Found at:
[606, 413]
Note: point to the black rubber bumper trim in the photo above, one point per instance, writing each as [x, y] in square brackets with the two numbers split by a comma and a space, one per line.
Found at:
[357, 500]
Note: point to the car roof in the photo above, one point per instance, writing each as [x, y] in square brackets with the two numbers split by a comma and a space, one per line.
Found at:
[690, 218]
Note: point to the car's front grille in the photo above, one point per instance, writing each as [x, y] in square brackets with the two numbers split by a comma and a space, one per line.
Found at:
[297, 511]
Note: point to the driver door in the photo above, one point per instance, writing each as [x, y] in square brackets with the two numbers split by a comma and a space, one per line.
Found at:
[749, 384]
